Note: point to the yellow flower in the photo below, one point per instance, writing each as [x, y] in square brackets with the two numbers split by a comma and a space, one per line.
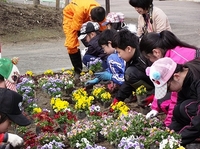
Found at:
[121, 108]
[63, 69]
[82, 73]
[29, 73]
[90, 72]
[77, 94]
[180, 147]
[37, 110]
[48, 72]
[106, 96]
[59, 104]
[141, 90]
[69, 72]
[98, 91]
[83, 103]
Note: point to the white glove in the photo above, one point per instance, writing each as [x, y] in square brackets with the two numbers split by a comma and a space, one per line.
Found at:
[151, 114]
[14, 140]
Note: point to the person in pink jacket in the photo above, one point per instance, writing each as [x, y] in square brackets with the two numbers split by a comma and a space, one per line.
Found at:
[165, 44]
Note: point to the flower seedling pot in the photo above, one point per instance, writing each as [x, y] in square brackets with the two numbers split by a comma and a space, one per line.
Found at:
[106, 104]
[140, 98]
[81, 115]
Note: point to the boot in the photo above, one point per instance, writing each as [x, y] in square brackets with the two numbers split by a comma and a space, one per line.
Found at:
[77, 64]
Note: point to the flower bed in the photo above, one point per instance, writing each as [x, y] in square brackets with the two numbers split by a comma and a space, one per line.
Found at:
[56, 123]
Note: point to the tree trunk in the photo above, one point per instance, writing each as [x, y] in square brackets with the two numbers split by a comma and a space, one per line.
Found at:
[66, 2]
[57, 4]
[36, 3]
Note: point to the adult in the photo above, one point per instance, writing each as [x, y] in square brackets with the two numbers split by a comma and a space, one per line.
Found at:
[75, 14]
[151, 18]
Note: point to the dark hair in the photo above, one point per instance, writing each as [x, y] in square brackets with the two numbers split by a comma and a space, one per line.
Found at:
[117, 26]
[193, 65]
[144, 4]
[125, 38]
[98, 14]
[1, 78]
[165, 40]
[3, 117]
[105, 36]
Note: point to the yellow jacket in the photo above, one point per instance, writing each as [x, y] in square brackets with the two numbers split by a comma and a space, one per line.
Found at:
[75, 14]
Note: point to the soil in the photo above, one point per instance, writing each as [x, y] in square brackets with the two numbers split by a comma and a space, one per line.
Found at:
[21, 22]
[24, 22]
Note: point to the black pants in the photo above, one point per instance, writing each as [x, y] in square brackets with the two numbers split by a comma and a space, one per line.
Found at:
[186, 120]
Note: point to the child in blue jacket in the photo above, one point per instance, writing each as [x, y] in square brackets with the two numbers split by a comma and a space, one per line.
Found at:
[115, 64]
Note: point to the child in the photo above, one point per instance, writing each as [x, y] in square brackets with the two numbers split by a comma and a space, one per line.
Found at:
[151, 18]
[75, 14]
[115, 20]
[9, 73]
[165, 44]
[127, 46]
[116, 65]
[90, 32]
[10, 112]
[184, 79]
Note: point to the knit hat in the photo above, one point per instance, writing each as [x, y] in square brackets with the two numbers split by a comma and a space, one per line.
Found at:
[88, 27]
[114, 17]
[160, 72]
[10, 104]
[8, 70]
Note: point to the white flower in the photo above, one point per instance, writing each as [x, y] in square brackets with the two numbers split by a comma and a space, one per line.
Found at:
[97, 108]
[163, 144]
[70, 82]
[78, 145]
[84, 140]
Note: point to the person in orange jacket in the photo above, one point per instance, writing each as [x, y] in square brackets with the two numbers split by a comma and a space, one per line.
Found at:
[75, 14]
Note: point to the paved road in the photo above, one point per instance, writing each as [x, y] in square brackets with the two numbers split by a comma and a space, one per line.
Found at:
[40, 56]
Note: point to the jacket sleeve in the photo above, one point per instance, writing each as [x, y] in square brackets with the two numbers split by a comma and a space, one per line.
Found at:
[140, 25]
[162, 105]
[154, 105]
[192, 131]
[160, 20]
[133, 77]
[94, 49]
[3, 138]
[78, 18]
[116, 66]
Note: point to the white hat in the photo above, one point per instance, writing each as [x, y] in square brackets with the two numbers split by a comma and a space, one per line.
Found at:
[114, 17]
[160, 72]
[88, 27]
